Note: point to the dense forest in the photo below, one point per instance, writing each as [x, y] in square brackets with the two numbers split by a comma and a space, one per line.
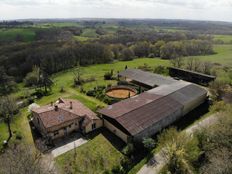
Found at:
[55, 48]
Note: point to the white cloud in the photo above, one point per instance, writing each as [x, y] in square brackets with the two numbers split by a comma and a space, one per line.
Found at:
[181, 9]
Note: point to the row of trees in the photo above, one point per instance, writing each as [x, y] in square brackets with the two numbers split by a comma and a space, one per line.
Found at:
[193, 64]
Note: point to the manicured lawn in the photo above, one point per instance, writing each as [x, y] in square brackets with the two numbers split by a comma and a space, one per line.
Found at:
[96, 156]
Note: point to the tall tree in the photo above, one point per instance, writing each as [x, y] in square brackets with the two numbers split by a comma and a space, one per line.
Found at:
[44, 80]
[7, 109]
[32, 78]
[7, 82]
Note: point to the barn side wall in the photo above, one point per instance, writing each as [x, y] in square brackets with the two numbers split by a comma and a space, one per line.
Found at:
[194, 103]
[116, 131]
[158, 126]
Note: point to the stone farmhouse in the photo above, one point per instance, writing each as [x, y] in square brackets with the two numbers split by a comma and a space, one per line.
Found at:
[63, 117]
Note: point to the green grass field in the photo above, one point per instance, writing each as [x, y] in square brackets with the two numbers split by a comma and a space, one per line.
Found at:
[227, 39]
[94, 157]
[223, 55]
[82, 38]
[89, 33]
[58, 24]
[27, 35]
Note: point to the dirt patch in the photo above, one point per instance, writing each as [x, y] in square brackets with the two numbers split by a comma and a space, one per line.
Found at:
[120, 93]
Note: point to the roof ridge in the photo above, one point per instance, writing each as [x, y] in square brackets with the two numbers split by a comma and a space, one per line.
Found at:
[161, 96]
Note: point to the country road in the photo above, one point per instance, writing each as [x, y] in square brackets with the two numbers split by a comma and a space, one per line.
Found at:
[156, 163]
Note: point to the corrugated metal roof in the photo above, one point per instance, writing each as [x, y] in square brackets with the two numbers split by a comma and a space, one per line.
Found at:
[128, 105]
[193, 72]
[188, 94]
[140, 112]
[144, 117]
[146, 78]
[165, 90]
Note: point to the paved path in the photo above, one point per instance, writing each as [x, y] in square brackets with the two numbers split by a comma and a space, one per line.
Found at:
[156, 163]
[67, 147]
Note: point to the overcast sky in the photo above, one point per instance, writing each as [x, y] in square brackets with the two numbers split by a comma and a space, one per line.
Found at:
[220, 10]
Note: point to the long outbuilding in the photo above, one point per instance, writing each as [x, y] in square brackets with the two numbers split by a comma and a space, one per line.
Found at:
[143, 78]
[146, 114]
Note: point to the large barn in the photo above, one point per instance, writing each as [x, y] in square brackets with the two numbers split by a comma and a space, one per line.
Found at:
[146, 114]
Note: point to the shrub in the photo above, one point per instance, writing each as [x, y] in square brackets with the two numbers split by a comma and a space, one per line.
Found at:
[62, 89]
[160, 70]
[129, 149]
[18, 135]
[148, 143]
[108, 75]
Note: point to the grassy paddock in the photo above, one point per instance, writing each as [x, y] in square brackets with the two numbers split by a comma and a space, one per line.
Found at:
[94, 157]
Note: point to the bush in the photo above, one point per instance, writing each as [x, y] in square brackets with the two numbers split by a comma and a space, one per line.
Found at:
[108, 75]
[160, 70]
[62, 89]
[18, 135]
[145, 67]
[148, 143]
[219, 106]
[128, 150]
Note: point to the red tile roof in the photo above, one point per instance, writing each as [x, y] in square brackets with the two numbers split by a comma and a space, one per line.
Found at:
[51, 117]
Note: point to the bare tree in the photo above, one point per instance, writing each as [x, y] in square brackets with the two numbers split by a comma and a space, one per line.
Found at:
[177, 62]
[197, 64]
[22, 159]
[206, 67]
[7, 109]
[190, 63]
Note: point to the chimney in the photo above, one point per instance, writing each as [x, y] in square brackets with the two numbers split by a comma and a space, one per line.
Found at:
[59, 100]
[56, 108]
[71, 105]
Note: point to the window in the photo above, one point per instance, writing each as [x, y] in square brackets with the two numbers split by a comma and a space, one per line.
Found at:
[56, 133]
[70, 125]
[93, 126]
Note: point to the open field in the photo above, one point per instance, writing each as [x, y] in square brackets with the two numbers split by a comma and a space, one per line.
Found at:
[24, 34]
[58, 24]
[223, 55]
[81, 38]
[89, 33]
[227, 39]
[95, 156]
